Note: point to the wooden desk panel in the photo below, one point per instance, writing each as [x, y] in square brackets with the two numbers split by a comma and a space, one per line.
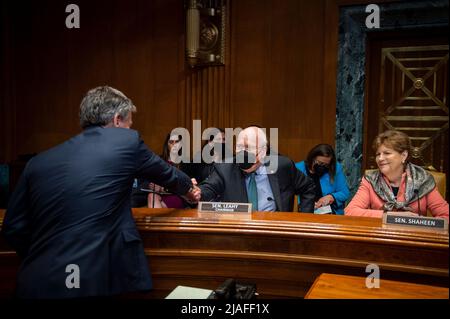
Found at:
[330, 286]
[281, 252]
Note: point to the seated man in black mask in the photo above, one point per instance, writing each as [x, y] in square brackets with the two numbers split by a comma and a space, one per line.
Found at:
[269, 183]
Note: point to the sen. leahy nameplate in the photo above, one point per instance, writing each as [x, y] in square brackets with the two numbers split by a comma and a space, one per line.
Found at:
[223, 207]
[400, 219]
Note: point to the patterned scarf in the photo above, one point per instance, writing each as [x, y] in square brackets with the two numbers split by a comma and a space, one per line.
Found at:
[418, 183]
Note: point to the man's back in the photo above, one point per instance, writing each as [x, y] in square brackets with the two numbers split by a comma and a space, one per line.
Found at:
[87, 177]
[72, 207]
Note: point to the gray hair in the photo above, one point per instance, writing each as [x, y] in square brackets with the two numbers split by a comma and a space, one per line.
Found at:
[100, 105]
[255, 134]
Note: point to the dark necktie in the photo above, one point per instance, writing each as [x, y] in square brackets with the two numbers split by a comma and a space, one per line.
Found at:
[253, 192]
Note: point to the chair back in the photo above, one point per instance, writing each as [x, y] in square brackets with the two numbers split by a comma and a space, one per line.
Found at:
[295, 209]
[440, 180]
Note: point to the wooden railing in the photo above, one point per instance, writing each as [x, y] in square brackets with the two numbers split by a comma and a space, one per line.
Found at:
[283, 253]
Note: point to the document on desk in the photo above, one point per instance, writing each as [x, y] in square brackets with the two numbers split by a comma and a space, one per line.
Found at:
[183, 292]
[323, 210]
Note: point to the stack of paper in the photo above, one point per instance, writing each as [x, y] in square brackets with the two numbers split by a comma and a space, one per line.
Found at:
[183, 292]
[323, 210]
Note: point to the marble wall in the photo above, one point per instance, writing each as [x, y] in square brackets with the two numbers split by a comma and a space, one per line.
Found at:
[351, 69]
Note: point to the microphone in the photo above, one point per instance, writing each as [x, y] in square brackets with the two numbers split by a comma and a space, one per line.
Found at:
[155, 192]
[416, 192]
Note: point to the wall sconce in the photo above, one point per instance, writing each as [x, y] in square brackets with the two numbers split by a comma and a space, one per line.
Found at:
[205, 32]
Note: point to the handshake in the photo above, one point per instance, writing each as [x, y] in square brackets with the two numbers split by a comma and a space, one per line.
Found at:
[194, 194]
[155, 200]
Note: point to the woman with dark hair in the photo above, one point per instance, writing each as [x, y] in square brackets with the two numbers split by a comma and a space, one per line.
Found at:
[397, 184]
[160, 198]
[171, 149]
[328, 176]
[157, 199]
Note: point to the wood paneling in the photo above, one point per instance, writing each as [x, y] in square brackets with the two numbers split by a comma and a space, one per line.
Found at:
[282, 253]
[7, 116]
[279, 70]
[329, 286]
[131, 45]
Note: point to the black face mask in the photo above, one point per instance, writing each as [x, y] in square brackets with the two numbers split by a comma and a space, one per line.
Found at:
[319, 170]
[245, 160]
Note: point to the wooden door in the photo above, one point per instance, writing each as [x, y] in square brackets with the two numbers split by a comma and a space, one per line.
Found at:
[407, 90]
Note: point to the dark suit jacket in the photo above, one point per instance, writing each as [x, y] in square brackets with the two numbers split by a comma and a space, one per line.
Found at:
[72, 206]
[227, 184]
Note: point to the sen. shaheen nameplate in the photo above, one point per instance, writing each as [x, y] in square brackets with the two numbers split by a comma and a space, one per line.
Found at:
[405, 221]
[223, 207]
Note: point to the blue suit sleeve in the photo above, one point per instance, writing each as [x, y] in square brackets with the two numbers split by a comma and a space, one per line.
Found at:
[150, 166]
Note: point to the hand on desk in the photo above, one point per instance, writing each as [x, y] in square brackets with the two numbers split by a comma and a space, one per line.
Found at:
[324, 201]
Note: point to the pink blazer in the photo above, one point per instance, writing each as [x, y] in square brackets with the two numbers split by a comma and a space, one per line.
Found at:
[367, 203]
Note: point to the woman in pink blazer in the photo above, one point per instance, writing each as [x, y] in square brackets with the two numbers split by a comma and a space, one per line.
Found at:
[397, 185]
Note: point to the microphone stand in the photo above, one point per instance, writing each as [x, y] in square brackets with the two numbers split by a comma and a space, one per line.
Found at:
[154, 192]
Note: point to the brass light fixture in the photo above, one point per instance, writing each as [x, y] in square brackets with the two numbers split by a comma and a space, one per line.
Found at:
[205, 32]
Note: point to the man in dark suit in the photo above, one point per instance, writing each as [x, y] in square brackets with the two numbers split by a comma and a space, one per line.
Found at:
[269, 183]
[70, 219]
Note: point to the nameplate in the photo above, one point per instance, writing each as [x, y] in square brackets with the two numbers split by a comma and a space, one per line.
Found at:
[223, 207]
[399, 219]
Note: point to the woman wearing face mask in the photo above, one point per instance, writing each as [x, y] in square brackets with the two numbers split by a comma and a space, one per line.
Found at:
[328, 176]
[213, 151]
[397, 184]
